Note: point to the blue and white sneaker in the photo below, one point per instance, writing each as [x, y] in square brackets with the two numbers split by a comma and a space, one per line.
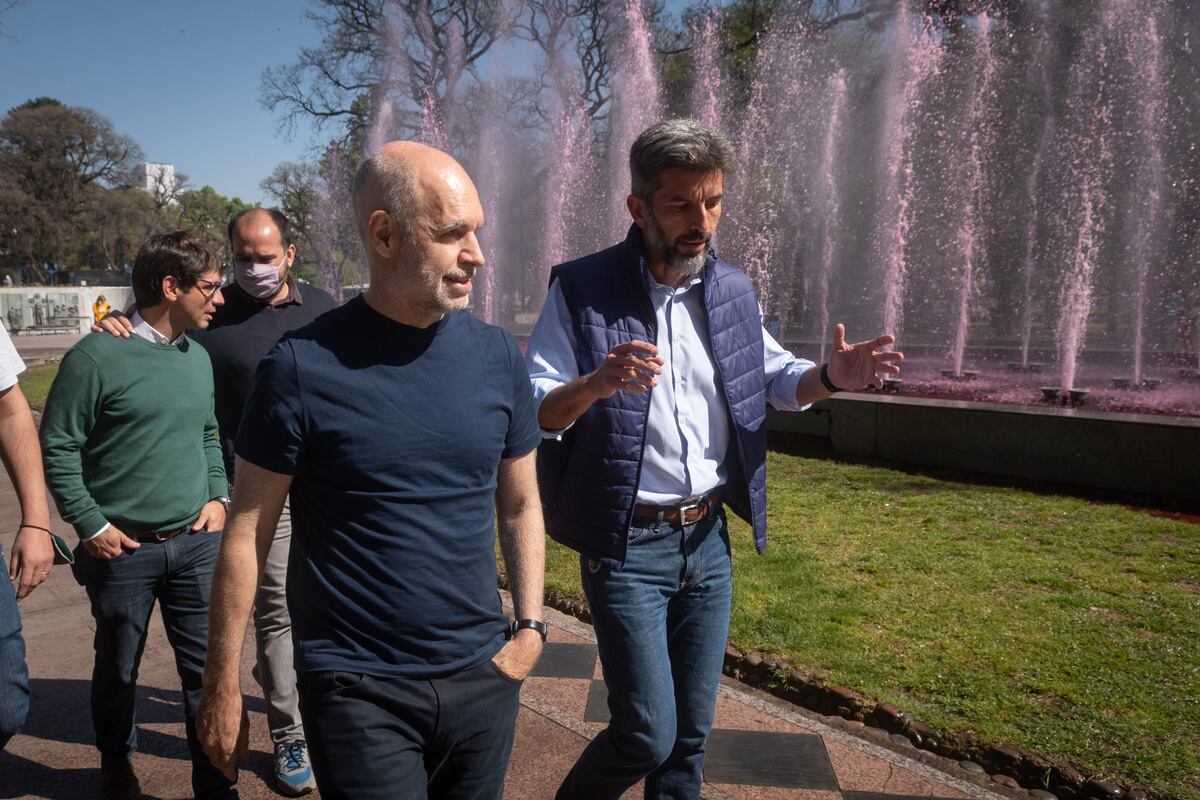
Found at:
[293, 772]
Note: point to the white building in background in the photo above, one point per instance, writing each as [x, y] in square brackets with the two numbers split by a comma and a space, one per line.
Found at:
[157, 179]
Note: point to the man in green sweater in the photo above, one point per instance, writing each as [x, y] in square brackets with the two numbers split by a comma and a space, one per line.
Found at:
[129, 443]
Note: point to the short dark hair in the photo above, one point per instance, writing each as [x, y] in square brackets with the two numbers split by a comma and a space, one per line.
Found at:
[178, 254]
[683, 143]
[277, 216]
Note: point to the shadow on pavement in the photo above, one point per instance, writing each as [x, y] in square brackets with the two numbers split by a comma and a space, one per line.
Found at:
[60, 712]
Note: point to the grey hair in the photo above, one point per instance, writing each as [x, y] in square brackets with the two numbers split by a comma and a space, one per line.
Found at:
[683, 143]
[385, 183]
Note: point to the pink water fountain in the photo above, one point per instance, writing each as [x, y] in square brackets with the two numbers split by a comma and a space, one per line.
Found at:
[997, 195]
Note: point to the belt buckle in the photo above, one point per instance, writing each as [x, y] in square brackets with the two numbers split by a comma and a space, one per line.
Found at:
[162, 536]
[685, 509]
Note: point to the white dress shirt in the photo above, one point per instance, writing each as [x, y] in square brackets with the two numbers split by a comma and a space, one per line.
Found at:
[688, 428]
[149, 332]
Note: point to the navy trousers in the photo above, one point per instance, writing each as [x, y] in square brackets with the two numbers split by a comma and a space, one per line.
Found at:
[177, 574]
[374, 738]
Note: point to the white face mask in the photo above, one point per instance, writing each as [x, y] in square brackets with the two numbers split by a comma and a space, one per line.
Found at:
[259, 280]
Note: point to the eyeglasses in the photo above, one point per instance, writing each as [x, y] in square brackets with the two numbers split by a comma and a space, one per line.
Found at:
[212, 287]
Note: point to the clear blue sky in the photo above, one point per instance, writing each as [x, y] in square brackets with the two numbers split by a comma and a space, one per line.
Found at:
[180, 77]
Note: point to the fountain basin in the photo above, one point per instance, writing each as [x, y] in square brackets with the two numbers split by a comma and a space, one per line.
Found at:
[1121, 383]
[1130, 457]
[1150, 384]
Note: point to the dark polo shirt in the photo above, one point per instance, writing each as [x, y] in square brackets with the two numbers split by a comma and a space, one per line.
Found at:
[241, 333]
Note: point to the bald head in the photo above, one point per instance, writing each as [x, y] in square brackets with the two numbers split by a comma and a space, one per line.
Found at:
[418, 213]
[260, 223]
[404, 178]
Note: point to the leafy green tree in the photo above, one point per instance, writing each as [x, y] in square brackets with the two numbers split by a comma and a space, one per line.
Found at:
[205, 213]
[53, 159]
[293, 188]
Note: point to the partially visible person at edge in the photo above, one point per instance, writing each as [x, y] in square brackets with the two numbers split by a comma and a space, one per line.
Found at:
[264, 303]
[32, 551]
[100, 308]
[129, 444]
[652, 372]
[403, 427]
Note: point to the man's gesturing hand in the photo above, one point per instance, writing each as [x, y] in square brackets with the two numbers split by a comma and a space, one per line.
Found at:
[857, 366]
[628, 367]
[223, 729]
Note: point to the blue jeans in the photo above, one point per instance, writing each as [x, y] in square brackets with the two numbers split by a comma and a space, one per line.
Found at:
[178, 574]
[14, 676]
[386, 738]
[661, 623]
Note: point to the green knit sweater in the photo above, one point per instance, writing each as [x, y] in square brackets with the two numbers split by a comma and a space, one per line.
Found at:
[129, 435]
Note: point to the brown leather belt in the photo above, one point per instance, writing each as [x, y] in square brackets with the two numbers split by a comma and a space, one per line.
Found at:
[684, 513]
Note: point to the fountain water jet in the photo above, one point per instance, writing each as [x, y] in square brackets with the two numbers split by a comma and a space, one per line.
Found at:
[830, 220]
[915, 59]
[706, 85]
[1147, 61]
[1091, 149]
[635, 106]
[971, 240]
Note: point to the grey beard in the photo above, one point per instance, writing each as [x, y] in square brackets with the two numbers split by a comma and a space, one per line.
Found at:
[688, 265]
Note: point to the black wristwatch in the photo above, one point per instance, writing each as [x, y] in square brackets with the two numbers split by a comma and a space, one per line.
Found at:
[532, 624]
[828, 384]
[223, 500]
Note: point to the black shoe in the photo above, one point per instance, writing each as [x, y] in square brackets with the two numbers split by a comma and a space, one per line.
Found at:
[118, 781]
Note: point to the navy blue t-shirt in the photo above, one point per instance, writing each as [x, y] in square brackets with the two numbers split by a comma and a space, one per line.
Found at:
[394, 435]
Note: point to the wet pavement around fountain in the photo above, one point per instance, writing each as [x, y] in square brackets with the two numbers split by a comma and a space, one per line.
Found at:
[1176, 394]
[761, 748]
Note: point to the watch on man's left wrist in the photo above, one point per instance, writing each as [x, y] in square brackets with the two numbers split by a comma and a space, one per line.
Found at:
[532, 624]
[223, 500]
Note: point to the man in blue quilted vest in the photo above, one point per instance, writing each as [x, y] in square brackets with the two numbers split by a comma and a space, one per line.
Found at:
[652, 373]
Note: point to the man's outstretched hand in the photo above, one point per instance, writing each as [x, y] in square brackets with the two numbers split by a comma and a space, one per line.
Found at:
[857, 366]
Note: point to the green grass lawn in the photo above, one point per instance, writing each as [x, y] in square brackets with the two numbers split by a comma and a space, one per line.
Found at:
[1068, 627]
[35, 383]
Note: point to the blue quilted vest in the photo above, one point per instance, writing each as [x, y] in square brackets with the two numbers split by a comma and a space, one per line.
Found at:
[589, 480]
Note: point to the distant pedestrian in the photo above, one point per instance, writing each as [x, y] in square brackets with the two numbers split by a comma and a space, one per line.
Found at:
[100, 308]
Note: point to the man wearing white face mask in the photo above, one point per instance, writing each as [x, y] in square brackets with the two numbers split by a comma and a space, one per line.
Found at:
[263, 303]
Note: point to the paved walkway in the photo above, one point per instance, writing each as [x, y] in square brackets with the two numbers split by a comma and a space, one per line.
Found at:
[761, 749]
[36, 349]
